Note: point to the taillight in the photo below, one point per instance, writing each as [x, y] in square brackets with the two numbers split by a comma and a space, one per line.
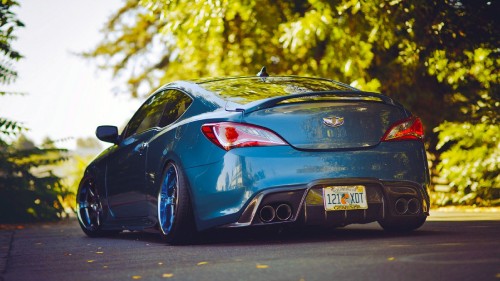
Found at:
[229, 135]
[408, 129]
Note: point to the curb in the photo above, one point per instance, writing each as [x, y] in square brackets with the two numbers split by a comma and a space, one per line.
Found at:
[463, 215]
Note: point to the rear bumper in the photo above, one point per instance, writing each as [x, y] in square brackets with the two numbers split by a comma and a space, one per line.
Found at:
[387, 199]
[223, 192]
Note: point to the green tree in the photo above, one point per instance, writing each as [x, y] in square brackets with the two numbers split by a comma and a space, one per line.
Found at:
[8, 24]
[408, 49]
[470, 162]
[29, 190]
[438, 57]
[88, 143]
[23, 143]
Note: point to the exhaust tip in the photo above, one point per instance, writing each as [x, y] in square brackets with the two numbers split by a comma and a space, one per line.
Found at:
[284, 212]
[401, 206]
[413, 206]
[267, 214]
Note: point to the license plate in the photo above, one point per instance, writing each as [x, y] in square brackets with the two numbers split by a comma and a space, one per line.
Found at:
[341, 198]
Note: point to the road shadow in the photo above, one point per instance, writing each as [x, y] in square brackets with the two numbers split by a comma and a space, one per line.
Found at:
[294, 235]
[283, 235]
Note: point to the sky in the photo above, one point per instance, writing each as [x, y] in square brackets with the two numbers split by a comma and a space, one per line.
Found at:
[67, 96]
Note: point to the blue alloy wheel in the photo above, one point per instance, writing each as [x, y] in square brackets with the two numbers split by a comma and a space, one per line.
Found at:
[90, 208]
[167, 200]
[175, 215]
[90, 211]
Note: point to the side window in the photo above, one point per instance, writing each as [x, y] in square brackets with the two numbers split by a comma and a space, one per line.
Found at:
[176, 103]
[148, 115]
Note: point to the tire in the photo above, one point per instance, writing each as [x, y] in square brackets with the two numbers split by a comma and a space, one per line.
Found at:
[403, 224]
[175, 215]
[89, 210]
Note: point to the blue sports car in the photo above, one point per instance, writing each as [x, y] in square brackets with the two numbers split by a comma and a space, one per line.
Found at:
[253, 151]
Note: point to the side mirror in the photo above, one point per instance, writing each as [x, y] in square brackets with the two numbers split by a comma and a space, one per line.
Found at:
[107, 133]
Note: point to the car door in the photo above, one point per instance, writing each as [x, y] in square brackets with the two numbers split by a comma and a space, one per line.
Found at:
[126, 172]
[176, 105]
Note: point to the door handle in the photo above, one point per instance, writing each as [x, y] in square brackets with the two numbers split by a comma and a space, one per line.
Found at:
[142, 147]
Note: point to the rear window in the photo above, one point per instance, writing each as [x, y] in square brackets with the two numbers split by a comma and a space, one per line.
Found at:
[246, 90]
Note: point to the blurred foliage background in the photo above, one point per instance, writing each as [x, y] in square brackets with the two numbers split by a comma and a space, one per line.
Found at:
[440, 58]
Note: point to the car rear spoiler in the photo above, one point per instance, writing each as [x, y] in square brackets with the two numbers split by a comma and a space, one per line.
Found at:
[340, 95]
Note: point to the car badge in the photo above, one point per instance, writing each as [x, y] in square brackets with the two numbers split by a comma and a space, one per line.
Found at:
[333, 121]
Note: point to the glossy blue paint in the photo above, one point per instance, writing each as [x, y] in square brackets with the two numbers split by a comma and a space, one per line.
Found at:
[135, 187]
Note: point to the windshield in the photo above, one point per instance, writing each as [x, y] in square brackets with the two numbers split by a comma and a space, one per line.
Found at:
[249, 89]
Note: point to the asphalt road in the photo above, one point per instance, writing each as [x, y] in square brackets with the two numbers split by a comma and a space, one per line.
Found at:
[446, 248]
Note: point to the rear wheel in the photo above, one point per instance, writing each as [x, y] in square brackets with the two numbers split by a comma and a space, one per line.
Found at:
[90, 212]
[175, 216]
[403, 224]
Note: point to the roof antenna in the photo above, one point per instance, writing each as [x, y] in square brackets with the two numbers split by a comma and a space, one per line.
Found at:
[263, 73]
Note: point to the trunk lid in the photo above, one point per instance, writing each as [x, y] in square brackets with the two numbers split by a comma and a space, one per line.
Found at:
[329, 124]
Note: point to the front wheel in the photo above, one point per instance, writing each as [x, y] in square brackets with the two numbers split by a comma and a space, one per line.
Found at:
[89, 210]
[175, 216]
